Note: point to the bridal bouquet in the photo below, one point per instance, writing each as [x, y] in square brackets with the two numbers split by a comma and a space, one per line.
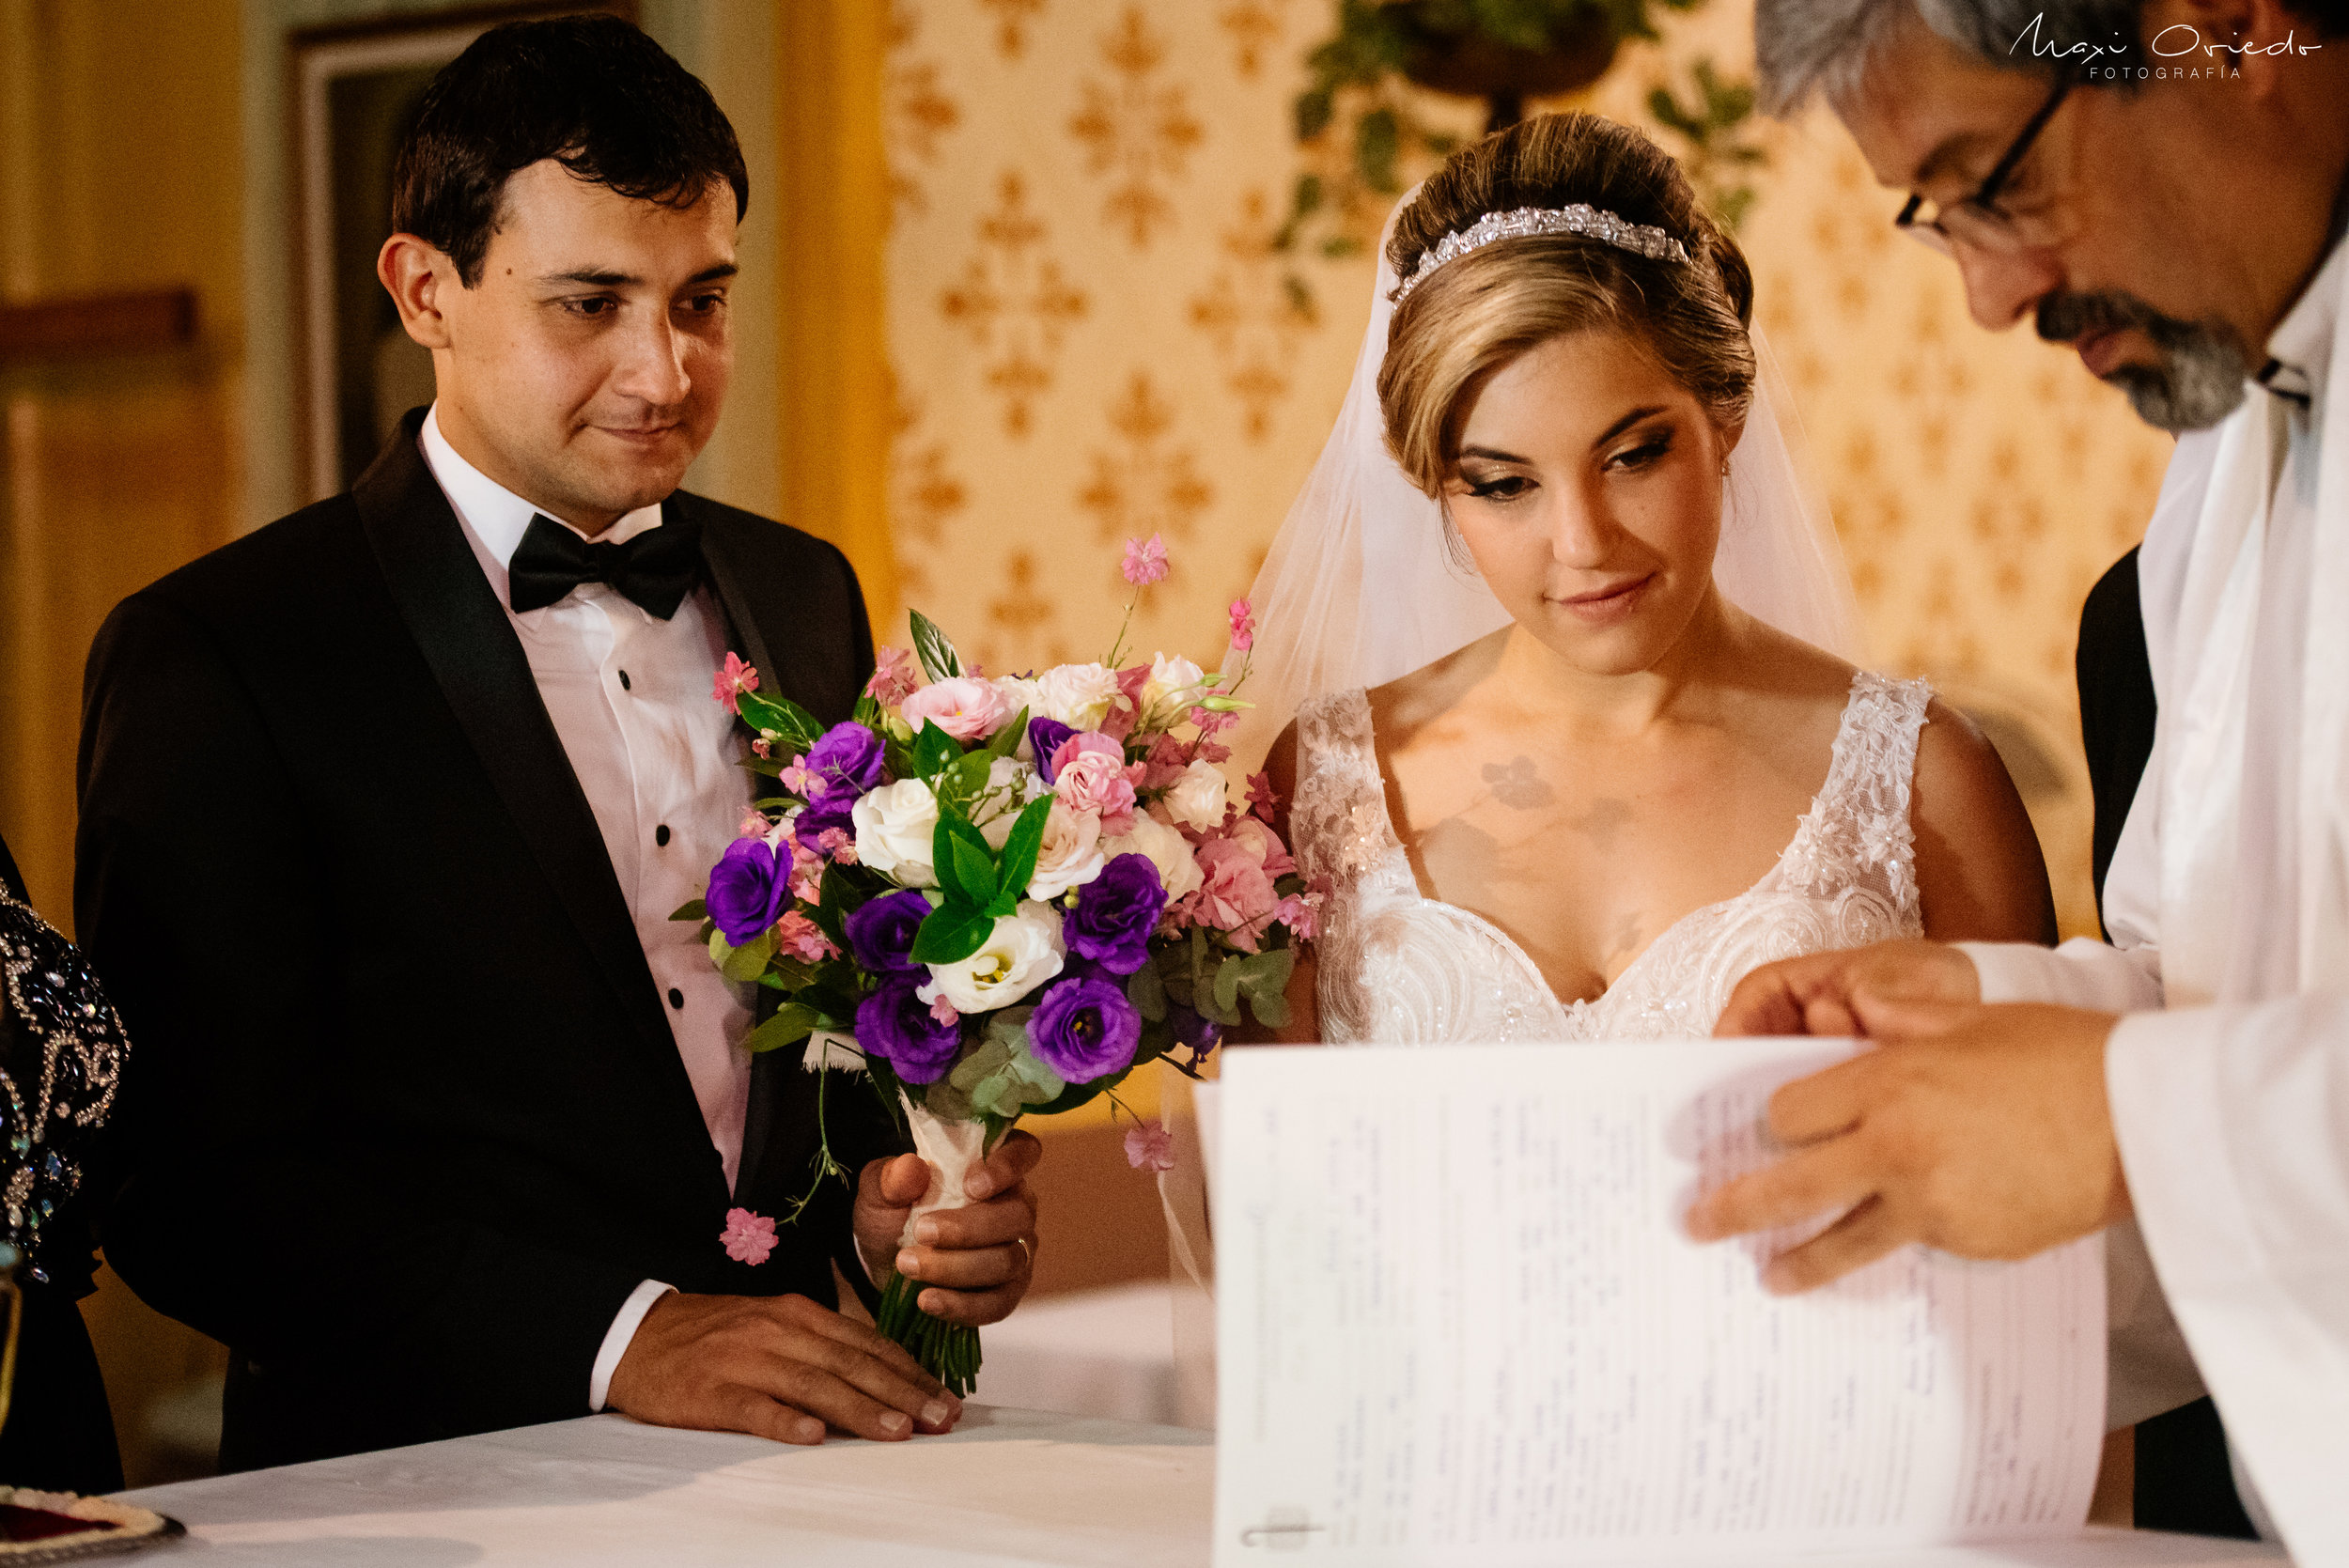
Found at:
[998, 897]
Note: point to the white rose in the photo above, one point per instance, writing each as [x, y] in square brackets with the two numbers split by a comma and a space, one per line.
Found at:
[1196, 799]
[1071, 853]
[1171, 678]
[1020, 692]
[895, 826]
[1167, 849]
[1010, 785]
[1078, 695]
[1022, 952]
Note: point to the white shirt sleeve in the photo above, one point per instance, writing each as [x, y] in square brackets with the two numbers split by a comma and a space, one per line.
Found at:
[617, 1338]
[2234, 1127]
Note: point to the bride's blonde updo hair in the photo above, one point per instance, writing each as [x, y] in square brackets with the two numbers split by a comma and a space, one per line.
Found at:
[1477, 312]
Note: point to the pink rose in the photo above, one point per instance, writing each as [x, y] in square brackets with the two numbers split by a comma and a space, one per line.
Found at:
[1090, 774]
[1237, 894]
[964, 706]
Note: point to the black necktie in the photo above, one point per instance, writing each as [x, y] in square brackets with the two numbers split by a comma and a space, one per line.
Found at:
[656, 569]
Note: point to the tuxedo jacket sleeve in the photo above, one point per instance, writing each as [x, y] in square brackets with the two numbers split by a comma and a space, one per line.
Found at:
[407, 1124]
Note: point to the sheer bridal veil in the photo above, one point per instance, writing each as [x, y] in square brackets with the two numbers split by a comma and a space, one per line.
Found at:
[1359, 587]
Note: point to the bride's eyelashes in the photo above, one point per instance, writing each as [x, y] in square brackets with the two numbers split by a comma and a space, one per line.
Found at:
[1501, 487]
[1644, 454]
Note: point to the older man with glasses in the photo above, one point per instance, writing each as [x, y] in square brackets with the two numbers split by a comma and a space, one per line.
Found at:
[2159, 183]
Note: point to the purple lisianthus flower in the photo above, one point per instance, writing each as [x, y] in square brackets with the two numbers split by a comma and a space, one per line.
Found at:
[899, 1026]
[847, 763]
[1115, 913]
[1195, 1029]
[1045, 736]
[747, 889]
[809, 826]
[881, 933]
[1084, 1028]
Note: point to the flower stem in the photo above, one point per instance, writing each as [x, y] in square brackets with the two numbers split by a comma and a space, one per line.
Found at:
[947, 1351]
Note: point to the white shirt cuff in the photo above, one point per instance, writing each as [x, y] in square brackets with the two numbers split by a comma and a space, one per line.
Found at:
[617, 1338]
[2080, 973]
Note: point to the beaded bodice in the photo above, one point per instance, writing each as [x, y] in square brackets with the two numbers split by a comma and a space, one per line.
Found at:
[1399, 968]
[61, 1051]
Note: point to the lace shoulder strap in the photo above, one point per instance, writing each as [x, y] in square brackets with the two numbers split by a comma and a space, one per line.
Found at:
[1859, 826]
[1338, 819]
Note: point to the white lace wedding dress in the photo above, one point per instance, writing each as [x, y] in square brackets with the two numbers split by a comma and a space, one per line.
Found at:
[1400, 969]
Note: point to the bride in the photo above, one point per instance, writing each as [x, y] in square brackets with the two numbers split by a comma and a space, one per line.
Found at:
[1581, 789]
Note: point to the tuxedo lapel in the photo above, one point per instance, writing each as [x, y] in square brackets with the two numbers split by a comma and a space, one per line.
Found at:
[478, 663]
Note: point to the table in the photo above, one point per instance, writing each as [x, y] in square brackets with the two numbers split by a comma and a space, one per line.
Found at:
[1010, 1487]
[1107, 1352]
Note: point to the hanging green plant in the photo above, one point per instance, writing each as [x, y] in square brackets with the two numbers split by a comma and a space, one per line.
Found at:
[1364, 134]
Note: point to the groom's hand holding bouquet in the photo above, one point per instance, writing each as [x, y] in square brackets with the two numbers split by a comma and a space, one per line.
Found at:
[990, 899]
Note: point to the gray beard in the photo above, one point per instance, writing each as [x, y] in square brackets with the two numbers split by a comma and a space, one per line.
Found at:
[2200, 378]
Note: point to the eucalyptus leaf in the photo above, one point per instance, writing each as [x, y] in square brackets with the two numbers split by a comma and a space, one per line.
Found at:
[1147, 990]
[939, 659]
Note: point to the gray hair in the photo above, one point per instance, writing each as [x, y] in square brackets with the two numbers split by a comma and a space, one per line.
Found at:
[1807, 47]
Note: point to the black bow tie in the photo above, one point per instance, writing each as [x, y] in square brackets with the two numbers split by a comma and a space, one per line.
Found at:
[656, 569]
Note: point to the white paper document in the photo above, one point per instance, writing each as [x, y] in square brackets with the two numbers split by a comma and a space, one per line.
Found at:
[1459, 1322]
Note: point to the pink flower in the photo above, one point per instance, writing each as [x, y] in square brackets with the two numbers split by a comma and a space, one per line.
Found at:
[1145, 561]
[944, 1011]
[796, 779]
[748, 1237]
[801, 938]
[1264, 845]
[1261, 800]
[1149, 1146]
[760, 747]
[1166, 763]
[1243, 625]
[1301, 914]
[735, 679]
[894, 677]
[754, 826]
[965, 707]
[1125, 712]
[807, 874]
[1090, 774]
[836, 843]
[1212, 724]
[1237, 894]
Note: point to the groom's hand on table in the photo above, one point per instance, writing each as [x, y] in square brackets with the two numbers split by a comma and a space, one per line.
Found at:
[1815, 994]
[977, 1260]
[1982, 1131]
[779, 1367]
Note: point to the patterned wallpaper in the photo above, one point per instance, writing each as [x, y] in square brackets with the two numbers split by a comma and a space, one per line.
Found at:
[1091, 340]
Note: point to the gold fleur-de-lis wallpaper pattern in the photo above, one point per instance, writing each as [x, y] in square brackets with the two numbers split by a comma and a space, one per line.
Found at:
[1092, 338]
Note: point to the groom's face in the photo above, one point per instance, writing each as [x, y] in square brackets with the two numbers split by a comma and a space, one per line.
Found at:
[585, 368]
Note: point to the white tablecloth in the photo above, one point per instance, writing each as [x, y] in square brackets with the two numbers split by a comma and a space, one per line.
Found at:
[1106, 1352]
[1011, 1487]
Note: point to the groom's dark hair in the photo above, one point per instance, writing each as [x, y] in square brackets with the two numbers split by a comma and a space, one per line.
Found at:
[591, 93]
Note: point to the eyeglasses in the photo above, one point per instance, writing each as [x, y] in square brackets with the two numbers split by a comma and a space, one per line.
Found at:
[1979, 221]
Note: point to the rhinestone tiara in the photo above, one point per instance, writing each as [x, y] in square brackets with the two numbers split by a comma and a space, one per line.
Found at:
[1523, 222]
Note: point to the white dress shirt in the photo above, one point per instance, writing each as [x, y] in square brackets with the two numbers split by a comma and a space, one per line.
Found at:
[661, 763]
[2228, 901]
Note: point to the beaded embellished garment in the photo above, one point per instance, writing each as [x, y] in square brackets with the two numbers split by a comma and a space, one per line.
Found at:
[61, 1050]
[1397, 968]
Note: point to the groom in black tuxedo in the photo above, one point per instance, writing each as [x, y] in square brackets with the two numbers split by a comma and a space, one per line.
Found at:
[437, 1119]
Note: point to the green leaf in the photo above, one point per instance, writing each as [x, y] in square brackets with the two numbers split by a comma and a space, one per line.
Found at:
[953, 933]
[1378, 140]
[792, 725]
[697, 909]
[1007, 738]
[966, 776]
[744, 964]
[939, 659]
[867, 710]
[791, 1024]
[1315, 108]
[933, 750]
[1262, 978]
[1020, 853]
[965, 866]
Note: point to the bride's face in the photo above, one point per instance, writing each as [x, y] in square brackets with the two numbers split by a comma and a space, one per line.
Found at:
[1589, 490]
